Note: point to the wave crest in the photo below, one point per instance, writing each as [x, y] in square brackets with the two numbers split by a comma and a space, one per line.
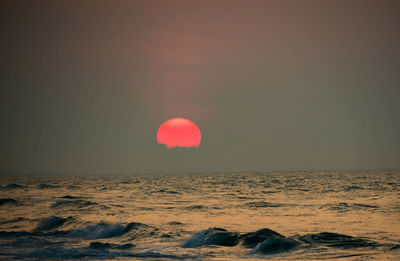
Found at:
[52, 222]
[212, 236]
[274, 245]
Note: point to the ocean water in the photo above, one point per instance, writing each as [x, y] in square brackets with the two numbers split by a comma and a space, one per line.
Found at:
[334, 215]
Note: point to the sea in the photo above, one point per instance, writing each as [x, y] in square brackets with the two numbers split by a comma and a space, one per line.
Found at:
[295, 215]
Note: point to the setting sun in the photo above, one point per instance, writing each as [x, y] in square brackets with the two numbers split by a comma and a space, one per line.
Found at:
[179, 132]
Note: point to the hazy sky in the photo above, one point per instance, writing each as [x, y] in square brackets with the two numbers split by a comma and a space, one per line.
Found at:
[273, 85]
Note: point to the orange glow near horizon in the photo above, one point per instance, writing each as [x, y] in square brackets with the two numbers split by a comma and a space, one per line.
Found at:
[179, 132]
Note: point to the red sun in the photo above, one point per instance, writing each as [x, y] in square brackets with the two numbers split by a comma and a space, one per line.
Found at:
[179, 132]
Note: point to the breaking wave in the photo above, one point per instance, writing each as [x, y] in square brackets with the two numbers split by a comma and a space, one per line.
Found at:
[58, 226]
[252, 239]
[267, 241]
[101, 230]
[212, 236]
[274, 245]
[50, 223]
[50, 230]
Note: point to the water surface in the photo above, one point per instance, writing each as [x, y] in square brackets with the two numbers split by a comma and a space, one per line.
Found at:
[338, 215]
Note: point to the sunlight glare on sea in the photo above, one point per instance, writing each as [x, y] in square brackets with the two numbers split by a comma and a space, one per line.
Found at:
[354, 215]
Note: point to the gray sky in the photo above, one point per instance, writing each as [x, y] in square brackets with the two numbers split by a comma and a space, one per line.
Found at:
[273, 85]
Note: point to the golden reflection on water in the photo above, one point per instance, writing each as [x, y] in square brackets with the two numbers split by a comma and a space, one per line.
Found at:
[360, 204]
